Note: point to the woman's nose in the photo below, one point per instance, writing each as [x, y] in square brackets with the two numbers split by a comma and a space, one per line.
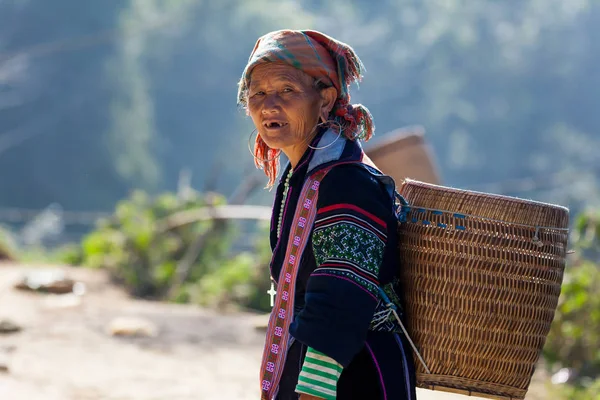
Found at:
[271, 104]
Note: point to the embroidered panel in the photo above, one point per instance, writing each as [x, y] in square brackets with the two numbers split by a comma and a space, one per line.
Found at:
[348, 243]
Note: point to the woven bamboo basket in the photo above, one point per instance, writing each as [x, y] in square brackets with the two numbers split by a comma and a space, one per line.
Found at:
[482, 276]
[404, 153]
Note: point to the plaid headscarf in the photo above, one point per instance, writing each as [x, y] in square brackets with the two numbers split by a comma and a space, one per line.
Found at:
[332, 62]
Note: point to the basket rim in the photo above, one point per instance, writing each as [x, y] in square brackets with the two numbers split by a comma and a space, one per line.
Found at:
[455, 190]
[410, 208]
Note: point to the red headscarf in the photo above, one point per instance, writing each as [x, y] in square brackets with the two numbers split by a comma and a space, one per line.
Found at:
[323, 58]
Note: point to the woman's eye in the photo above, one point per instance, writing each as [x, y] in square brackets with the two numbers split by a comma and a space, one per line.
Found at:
[287, 90]
[258, 93]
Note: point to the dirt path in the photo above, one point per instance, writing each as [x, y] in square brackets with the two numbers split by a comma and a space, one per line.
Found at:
[65, 353]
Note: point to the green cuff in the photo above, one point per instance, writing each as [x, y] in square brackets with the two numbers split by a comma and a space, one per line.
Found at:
[319, 375]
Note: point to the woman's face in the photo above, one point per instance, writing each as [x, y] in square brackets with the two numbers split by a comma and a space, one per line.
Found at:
[285, 107]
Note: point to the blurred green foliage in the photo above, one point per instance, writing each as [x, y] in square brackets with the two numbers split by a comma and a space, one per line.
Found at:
[130, 245]
[574, 340]
[154, 255]
[586, 390]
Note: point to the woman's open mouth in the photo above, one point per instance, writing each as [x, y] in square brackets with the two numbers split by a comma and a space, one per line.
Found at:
[274, 124]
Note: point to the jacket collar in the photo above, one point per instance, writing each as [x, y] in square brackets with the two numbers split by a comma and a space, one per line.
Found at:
[331, 148]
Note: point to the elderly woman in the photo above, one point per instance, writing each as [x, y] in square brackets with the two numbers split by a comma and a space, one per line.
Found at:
[331, 333]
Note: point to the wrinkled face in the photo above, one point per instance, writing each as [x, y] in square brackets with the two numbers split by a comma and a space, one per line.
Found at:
[285, 106]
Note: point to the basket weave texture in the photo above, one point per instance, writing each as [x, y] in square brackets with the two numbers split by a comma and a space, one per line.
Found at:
[482, 276]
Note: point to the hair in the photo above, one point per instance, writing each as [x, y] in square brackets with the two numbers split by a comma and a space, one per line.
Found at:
[355, 120]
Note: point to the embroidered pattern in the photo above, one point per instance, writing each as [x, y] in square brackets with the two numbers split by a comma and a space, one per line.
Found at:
[277, 337]
[349, 242]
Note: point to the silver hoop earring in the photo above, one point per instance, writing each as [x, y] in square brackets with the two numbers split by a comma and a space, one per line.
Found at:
[254, 155]
[340, 129]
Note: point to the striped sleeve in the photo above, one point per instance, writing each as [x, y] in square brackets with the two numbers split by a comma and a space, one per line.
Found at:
[319, 375]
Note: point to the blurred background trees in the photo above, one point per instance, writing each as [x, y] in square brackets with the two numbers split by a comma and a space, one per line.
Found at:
[98, 99]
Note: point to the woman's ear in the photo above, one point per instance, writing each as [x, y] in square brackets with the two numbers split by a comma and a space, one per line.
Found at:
[328, 96]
